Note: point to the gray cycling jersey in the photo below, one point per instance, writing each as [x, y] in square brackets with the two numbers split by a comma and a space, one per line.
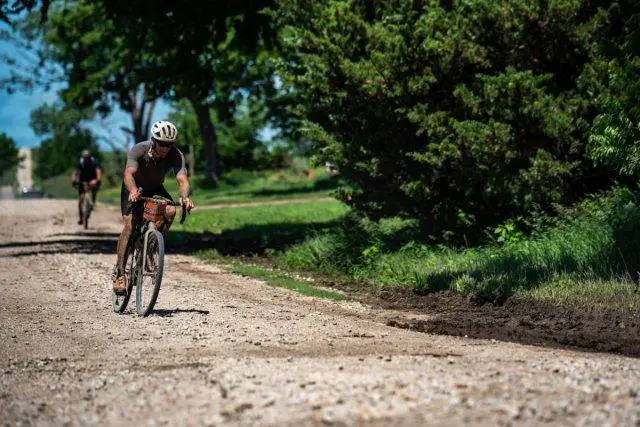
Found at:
[152, 169]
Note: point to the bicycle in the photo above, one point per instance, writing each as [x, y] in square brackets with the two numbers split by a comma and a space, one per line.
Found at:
[87, 203]
[144, 257]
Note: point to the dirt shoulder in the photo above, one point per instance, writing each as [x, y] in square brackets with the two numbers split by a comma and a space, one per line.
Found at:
[223, 349]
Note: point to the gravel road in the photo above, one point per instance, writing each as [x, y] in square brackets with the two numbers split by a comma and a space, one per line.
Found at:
[223, 349]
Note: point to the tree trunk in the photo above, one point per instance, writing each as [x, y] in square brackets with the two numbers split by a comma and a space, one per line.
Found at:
[137, 116]
[141, 112]
[210, 140]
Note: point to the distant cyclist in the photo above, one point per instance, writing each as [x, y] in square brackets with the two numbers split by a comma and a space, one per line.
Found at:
[86, 176]
[147, 164]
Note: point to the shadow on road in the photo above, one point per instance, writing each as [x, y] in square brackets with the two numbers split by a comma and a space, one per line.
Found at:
[60, 246]
[88, 234]
[248, 240]
[170, 313]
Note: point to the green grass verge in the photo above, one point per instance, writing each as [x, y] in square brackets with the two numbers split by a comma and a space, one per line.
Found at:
[272, 277]
[589, 258]
[59, 187]
[253, 219]
[257, 229]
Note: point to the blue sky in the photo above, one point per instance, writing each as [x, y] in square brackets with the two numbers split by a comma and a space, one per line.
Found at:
[15, 109]
[14, 115]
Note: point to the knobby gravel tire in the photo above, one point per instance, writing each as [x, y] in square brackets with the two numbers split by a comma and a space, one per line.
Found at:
[148, 283]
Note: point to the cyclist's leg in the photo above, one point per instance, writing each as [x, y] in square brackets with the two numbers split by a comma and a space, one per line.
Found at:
[119, 284]
[123, 240]
[170, 212]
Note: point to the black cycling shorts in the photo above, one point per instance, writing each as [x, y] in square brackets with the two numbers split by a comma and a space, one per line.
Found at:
[124, 196]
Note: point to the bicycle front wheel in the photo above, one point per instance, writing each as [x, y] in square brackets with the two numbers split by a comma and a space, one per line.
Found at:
[150, 273]
[87, 207]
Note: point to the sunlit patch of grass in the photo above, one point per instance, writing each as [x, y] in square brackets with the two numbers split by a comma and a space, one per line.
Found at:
[272, 277]
[613, 294]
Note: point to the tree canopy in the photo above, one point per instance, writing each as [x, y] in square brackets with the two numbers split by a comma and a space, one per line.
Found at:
[460, 114]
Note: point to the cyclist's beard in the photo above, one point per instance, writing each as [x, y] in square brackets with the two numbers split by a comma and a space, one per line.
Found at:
[157, 154]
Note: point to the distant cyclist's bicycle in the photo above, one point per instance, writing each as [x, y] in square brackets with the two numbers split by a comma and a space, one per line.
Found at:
[144, 258]
[86, 202]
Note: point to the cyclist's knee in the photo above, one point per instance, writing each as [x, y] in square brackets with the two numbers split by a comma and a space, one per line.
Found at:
[170, 213]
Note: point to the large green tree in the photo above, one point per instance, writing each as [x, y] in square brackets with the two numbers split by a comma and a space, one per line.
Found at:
[459, 113]
[98, 69]
[203, 52]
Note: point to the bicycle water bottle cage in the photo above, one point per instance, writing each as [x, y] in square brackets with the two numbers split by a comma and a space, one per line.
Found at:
[154, 210]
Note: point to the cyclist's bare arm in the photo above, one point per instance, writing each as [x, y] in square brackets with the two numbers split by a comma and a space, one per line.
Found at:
[98, 174]
[130, 182]
[74, 175]
[184, 189]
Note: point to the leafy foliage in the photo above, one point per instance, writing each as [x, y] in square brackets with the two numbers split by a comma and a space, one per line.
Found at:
[615, 138]
[240, 144]
[459, 115]
[9, 159]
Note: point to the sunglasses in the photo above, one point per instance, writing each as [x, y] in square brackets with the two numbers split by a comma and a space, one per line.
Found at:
[163, 144]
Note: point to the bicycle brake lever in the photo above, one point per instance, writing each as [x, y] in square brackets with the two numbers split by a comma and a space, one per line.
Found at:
[184, 214]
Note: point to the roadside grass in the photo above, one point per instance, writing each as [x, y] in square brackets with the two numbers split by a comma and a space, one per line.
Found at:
[587, 293]
[589, 258]
[59, 187]
[257, 229]
[272, 277]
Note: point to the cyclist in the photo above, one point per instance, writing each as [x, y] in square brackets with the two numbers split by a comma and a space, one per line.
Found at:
[147, 164]
[86, 176]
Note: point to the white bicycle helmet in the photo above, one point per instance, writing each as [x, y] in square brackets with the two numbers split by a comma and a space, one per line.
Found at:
[164, 131]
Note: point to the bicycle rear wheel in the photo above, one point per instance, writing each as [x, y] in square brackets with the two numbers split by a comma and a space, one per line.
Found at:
[130, 272]
[150, 276]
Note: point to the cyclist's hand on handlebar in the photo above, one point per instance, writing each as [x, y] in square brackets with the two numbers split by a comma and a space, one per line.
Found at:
[133, 196]
[187, 204]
